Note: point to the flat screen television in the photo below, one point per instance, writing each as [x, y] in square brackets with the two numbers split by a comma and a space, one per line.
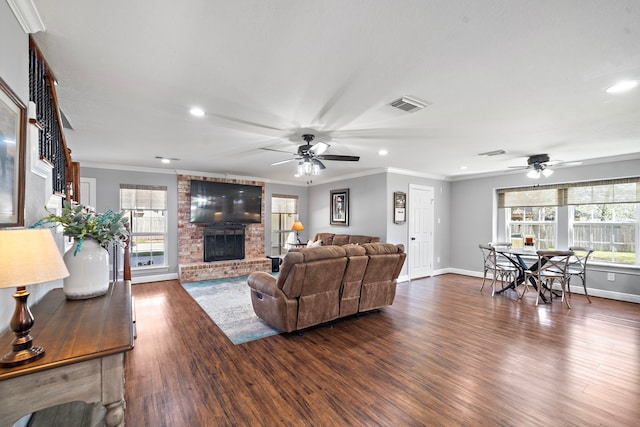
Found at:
[220, 202]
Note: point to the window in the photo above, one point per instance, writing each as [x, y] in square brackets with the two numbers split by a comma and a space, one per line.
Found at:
[284, 211]
[538, 222]
[147, 210]
[602, 215]
[601, 219]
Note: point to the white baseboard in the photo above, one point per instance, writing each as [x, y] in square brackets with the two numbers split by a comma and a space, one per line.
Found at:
[602, 293]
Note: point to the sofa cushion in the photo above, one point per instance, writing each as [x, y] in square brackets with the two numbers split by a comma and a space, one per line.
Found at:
[340, 239]
[327, 238]
[359, 240]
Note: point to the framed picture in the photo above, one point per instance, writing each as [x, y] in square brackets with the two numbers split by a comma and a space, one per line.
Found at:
[399, 207]
[13, 128]
[339, 207]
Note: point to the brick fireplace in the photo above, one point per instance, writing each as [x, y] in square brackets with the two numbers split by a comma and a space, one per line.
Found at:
[191, 253]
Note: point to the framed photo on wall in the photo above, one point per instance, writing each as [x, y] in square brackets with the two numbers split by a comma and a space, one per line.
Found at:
[399, 207]
[339, 207]
[13, 128]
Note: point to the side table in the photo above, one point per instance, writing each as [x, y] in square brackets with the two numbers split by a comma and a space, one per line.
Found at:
[85, 342]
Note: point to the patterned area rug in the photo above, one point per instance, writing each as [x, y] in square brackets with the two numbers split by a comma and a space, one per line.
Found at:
[228, 303]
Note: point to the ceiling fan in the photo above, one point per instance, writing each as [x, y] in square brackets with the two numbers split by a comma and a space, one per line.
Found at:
[309, 157]
[539, 165]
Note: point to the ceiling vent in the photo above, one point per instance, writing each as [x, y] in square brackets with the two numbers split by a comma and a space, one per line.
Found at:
[493, 153]
[408, 104]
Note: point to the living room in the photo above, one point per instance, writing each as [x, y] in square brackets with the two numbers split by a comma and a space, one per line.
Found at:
[465, 214]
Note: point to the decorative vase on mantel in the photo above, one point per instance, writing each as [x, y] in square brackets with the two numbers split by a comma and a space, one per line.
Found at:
[88, 270]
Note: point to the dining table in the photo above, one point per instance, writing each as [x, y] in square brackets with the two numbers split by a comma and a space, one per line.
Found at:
[523, 258]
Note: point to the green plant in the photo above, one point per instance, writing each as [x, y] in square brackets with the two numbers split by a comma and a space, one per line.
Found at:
[80, 222]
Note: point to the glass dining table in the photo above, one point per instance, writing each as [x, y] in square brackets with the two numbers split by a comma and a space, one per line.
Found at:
[519, 258]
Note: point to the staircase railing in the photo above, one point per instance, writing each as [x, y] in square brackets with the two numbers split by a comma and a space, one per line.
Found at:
[52, 143]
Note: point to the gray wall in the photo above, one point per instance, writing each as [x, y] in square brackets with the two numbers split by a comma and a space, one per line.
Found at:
[108, 197]
[14, 70]
[472, 211]
[368, 207]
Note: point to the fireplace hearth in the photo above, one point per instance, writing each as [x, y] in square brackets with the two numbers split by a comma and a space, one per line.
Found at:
[224, 242]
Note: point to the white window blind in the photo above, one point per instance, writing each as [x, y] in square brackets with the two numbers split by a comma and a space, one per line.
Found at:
[618, 191]
[282, 204]
[135, 197]
[520, 198]
[626, 190]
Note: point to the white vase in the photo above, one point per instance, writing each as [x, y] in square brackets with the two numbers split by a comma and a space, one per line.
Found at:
[88, 270]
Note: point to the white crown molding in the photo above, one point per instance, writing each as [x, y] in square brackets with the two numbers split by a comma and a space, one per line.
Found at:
[27, 15]
[418, 174]
[126, 168]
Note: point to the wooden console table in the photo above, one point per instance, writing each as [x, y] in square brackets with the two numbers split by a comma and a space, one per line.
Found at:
[85, 342]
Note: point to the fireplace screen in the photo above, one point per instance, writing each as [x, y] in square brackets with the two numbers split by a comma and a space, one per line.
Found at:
[223, 242]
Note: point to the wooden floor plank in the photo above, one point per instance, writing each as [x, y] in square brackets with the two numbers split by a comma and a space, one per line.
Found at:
[442, 354]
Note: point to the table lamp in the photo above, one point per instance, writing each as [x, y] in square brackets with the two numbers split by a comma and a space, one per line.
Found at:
[29, 256]
[297, 226]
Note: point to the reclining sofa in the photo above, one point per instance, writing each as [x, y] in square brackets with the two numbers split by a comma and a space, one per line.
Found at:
[321, 284]
[343, 239]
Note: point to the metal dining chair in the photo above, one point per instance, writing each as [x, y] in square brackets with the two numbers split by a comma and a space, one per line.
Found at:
[578, 267]
[503, 272]
[551, 268]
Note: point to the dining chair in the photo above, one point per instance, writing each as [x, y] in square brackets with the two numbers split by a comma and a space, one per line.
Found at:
[578, 267]
[550, 268]
[501, 259]
[504, 272]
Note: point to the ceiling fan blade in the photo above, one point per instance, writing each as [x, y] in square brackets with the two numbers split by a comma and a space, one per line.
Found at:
[339, 157]
[273, 149]
[283, 162]
[319, 148]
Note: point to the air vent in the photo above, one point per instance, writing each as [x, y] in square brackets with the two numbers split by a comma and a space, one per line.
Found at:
[407, 104]
[493, 153]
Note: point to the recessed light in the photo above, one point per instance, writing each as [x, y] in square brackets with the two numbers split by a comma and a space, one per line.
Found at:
[383, 152]
[166, 160]
[463, 168]
[622, 86]
[198, 112]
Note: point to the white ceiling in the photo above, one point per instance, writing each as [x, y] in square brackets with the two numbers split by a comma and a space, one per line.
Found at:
[524, 76]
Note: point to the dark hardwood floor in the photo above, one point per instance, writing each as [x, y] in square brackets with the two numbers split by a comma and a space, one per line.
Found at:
[443, 354]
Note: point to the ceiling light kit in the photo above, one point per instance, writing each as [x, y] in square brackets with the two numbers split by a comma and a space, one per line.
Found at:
[167, 160]
[539, 165]
[309, 157]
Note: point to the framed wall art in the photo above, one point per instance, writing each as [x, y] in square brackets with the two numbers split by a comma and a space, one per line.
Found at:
[339, 207]
[399, 207]
[13, 128]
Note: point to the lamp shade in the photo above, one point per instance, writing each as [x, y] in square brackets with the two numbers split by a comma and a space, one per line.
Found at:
[297, 226]
[29, 256]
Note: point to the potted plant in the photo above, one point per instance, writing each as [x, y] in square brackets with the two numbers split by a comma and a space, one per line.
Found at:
[88, 258]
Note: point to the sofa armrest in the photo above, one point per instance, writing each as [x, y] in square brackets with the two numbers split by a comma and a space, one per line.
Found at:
[263, 282]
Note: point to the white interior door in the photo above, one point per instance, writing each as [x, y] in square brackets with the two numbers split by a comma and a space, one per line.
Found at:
[421, 212]
[88, 192]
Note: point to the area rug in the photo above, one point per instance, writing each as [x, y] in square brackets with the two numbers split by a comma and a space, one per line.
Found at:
[228, 303]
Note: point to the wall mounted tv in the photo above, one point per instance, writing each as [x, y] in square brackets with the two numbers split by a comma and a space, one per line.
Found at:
[219, 202]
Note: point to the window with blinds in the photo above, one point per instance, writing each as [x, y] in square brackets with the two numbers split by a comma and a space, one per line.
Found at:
[603, 215]
[147, 209]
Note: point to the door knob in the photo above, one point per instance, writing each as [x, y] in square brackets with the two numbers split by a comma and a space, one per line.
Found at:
[413, 238]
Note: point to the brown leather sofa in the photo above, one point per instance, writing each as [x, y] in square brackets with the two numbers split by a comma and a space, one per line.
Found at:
[321, 284]
[343, 239]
